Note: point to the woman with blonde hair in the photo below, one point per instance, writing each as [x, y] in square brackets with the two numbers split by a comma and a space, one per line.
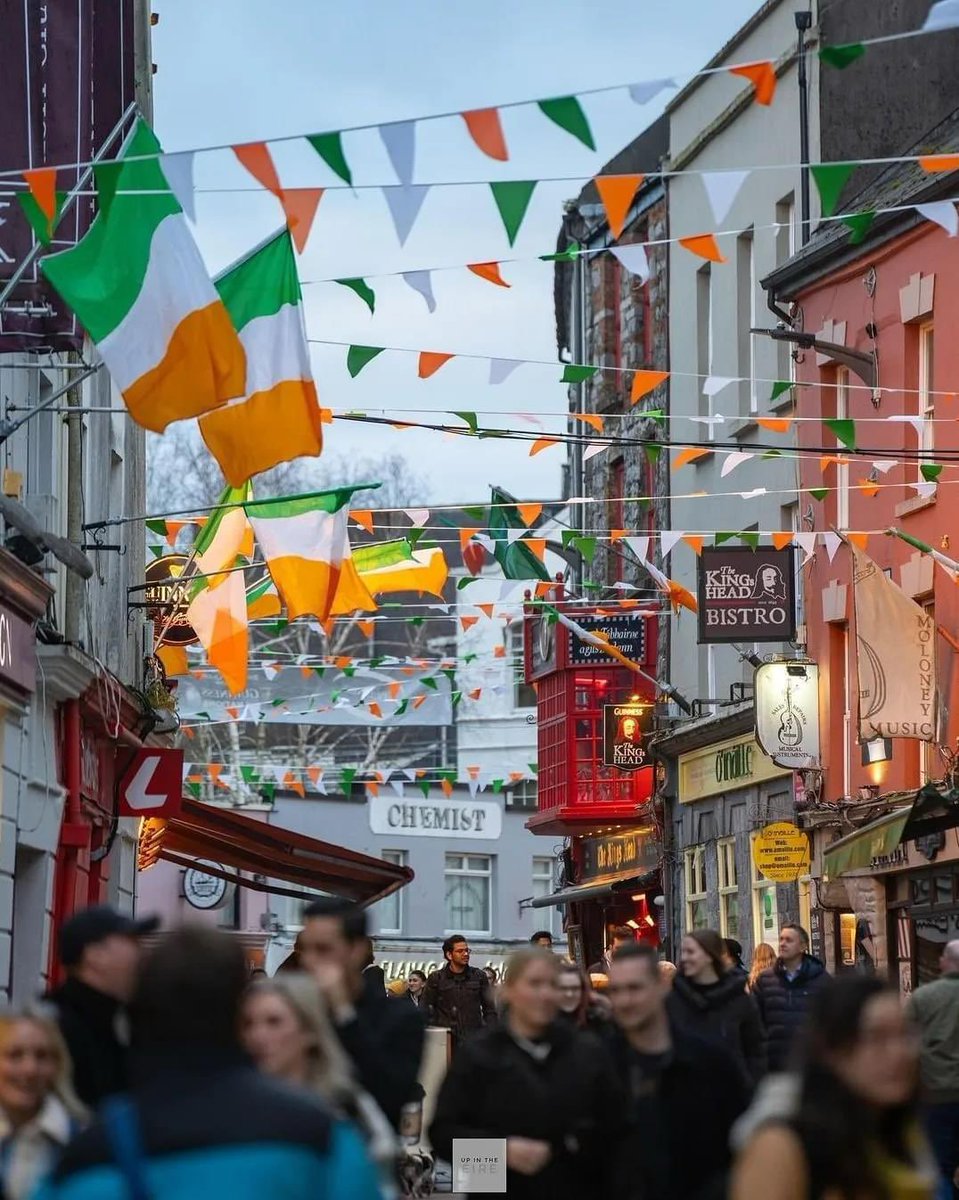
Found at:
[764, 958]
[39, 1111]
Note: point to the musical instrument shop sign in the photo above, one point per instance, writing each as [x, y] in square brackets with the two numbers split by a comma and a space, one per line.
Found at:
[746, 595]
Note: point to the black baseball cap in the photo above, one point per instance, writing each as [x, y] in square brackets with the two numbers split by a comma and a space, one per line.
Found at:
[92, 925]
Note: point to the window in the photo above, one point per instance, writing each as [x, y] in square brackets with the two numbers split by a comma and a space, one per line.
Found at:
[765, 906]
[697, 916]
[524, 694]
[703, 337]
[746, 284]
[786, 242]
[842, 468]
[469, 892]
[544, 885]
[521, 797]
[388, 913]
[927, 396]
[728, 888]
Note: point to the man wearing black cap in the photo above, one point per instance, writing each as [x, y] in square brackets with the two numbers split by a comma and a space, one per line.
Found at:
[100, 950]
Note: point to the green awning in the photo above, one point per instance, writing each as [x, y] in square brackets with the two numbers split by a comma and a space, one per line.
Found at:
[875, 840]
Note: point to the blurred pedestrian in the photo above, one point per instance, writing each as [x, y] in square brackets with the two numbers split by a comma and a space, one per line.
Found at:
[459, 997]
[100, 951]
[733, 958]
[549, 1090]
[620, 935]
[383, 1040]
[373, 975]
[935, 1009]
[39, 1111]
[200, 1120]
[710, 1001]
[668, 971]
[764, 957]
[846, 1126]
[683, 1094]
[576, 1001]
[416, 982]
[783, 993]
[542, 937]
[491, 975]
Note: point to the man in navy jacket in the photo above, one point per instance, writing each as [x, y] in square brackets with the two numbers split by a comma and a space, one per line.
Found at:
[782, 993]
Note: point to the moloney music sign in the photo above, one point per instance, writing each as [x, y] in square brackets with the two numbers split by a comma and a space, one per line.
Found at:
[746, 595]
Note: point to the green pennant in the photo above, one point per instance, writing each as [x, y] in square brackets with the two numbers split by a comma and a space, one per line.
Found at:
[930, 471]
[456, 697]
[107, 175]
[830, 180]
[277, 701]
[416, 622]
[567, 535]
[844, 429]
[724, 537]
[466, 581]
[268, 792]
[498, 785]
[42, 226]
[469, 418]
[749, 538]
[413, 536]
[450, 674]
[512, 199]
[320, 671]
[468, 658]
[156, 551]
[574, 373]
[772, 454]
[358, 356]
[362, 289]
[430, 682]
[378, 661]
[570, 254]
[347, 775]
[652, 451]
[859, 223]
[475, 512]
[401, 708]
[193, 787]
[567, 113]
[841, 57]
[249, 774]
[157, 527]
[349, 672]
[205, 715]
[654, 414]
[819, 493]
[586, 546]
[534, 768]
[424, 786]
[780, 387]
[335, 695]
[329, 146]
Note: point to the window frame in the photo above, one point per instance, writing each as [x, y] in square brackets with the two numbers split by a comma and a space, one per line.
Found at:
[759, 887]
[548, 875]
[515, 652]
[466, 872]
[397, 858]
[694, 872]
[726, 857]
[842, 467]
[926, 397]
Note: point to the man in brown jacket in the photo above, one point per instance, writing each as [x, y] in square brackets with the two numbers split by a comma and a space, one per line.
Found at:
[935, 1009]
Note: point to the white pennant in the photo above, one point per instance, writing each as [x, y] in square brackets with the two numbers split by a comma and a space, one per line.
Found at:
[883, 465]
[422, 282]
[592, 450]
[633, 258]
[718, 419]
[474, 786]
[722, 188]
[514, 535]
[713, 385]
[733, 460]
[404, 204]
[808, 543]
[399, 139]
[399, 787]
[639, 546]
[944, 14]
[419, 516]
[943, 212]
[668, 539]
[916, 422]
[648, 89]
[502, 368]
[925, 489]
[753, 494]
[178, 169]
[832, 542]
[486, 542]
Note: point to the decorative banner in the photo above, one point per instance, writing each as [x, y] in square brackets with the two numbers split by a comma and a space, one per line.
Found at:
[329, 146]
[787, 712]
[512, 200]
[625, 729]
[567, 113]
[399, 138]
[422, 282]
[617, 193]
[404, 204]
[762, 75]
[746, 595]
[486, 131]
[781, 852]
[722, 188]
[626, 633]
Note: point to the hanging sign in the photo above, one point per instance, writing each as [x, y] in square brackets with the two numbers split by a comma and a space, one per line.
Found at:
[626, 633]
[787, 713]
[781, 852]
[165, 594]
[625, 727]
[204, 890]
[635, 851]
[746, 595]
[18, 660]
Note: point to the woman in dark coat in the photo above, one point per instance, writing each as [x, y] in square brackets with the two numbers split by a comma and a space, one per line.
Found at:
[712, 1003]
[546, 1088]
[578, 1003]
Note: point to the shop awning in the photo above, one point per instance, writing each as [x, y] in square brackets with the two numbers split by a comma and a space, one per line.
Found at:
[224, 842]
[593, 890]
[931, 811]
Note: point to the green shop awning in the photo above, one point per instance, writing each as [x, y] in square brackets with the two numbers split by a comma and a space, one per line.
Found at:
[930, 811]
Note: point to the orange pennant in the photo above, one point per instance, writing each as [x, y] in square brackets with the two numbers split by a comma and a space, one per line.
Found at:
[487, 132]
[365, 627]
[475, 693]
[174, 659]
[544, 589]
[468, 622]
[446, 786]
[644, 382]
[782, 540]
[372, 788]
[294, 785]
[173, 530]
[542, 444]
[299, 207]
[488, 271]
[762, 75]
[406, 671]
[593, 420]
[689, 455]
[529, 512]
[775, 424]
[375, 710]
[861, 540]
[190, 733]
[499, 651]
[616, 193]
[394, 689]
[328, 626]
[868, 487]
[418, 700]
[537, 545]
[42, 182]
[466, 536]
[363, 517]
[487, 609]
[216, 770]
[616, 535]
[256, 157]
[933, 163]
[342, 660]
[315, 774]
[703, 244]
[695, 541]
[306, 672]
[430, 362]
[326, 416]
[421, 771]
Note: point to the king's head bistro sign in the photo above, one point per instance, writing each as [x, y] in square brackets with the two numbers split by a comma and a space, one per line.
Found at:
[625, 727]
[746, 595]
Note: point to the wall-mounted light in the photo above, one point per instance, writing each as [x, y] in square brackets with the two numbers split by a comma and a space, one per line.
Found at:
[877, 750]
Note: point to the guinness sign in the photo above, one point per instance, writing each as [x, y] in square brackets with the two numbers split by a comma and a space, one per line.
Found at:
[167, 600]
[625, 727]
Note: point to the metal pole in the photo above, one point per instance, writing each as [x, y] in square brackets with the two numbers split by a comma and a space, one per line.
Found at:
[579, 356]
[75, 585]
[803, 23]
[8, 428]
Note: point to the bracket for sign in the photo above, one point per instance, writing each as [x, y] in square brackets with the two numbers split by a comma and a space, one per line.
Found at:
[739, 693]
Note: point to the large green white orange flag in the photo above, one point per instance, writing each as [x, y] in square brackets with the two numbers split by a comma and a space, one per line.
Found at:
[306, 546]
[138, 285]
[387, 568]
[278, 418]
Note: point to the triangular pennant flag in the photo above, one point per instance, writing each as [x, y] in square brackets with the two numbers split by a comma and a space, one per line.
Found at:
[859, 224]
[842, 56]
[639, 546]
[577, 373]
[42, 225]
[832, 542]
[885, 465]
[404, 204]
[944, 14]
[860, 540]
[489, 271]
[329, 146]
[762, 75]
[830, 179]
[537, 546]
[807, 541]
[782, 540]
[486, 131]
[422, 282]
[722, 188]
[935, 163]
[617, 193]
[668, 539]
[178, 169]
[648, 89]
[868, 487]
[299, 206]
[529, 512]
[733, 460]
[362, 289]
[430, 362]
[567, 113]
[542, 444]
[644, 382]
[363, 517]
[592, 450]
[844, 429]
[943, 213]
[466, 536]
[704, 245]
[399, 138]
[512, 200]
[418, 516]
[775, 424]
[780, 387]
[358, 356]
[399, 787]
[694, 540]
[689, 455]
[256, 157]
[714, 384]
[474, 787]
[501, 368]
[634, 259]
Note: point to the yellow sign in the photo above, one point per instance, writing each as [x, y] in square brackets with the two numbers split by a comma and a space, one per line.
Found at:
[781, 852]
[724, 767]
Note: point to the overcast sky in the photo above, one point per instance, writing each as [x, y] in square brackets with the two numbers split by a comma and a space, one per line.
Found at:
[239, 70]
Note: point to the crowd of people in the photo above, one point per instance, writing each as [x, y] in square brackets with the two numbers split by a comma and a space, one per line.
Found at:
[166, 1070]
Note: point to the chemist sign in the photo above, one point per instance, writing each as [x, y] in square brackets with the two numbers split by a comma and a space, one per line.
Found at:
[746, 595]
[781, 852]
[481, 819]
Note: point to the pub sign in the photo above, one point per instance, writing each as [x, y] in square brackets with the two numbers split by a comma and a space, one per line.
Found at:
[626, 633]
[625, 730]
[746, 595]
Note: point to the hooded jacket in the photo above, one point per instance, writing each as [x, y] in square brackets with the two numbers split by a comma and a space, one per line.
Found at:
[723, 1014]
[90, 1022]
[783, 1002]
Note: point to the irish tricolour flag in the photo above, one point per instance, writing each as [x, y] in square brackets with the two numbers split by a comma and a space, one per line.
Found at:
[278, 417]
[138, 285]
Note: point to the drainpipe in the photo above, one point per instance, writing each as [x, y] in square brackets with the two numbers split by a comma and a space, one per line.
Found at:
[74, 835]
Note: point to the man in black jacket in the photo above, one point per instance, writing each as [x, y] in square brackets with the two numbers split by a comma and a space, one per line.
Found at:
[684, 1094]
[383, 1039]
[782, 993]
[459, 997]
[100, 951]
